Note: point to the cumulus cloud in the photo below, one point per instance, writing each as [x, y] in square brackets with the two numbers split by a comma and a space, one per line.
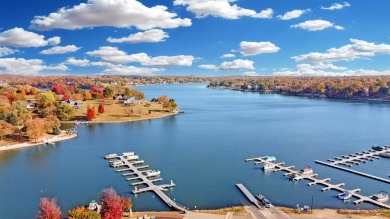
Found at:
[115, 56]
[54, 41]
[237, 64]
[77, 62]
[224, 56]
[4, 51]
[327, 70]
[210, 67]
[357, 49]
[293, 14]
[221, 8]
[336, 6]
[26, 66]
[316, 25]
[131, 70]
[149, 36]
[255, 48]
[60, 50]
[250, 73]
[18, 37]
[117, 13]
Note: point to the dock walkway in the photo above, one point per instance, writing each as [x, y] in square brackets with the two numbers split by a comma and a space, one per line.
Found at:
[151, 187]
[324, 182]
[249, 195]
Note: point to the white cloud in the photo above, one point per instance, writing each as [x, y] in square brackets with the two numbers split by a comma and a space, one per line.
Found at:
[26, 66]
[336, 6]
[77, 62]
[293, 14]
[131, 70]
[210, 67]
[117, 13]
[220, 8]
[358, 49]
[60, 50]
[224, 56]
[4, 51]
[115, 56]
[54, 41]
[149, 36]
[327, 70]
[254, 48]
[237, 64]
[266, 13]
[250, 73]
[316, 25]
[18, 37]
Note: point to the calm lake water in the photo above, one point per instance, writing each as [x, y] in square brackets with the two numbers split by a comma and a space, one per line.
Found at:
[203, 152]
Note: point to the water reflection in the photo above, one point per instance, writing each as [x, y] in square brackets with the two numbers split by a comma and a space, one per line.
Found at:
[7, 156]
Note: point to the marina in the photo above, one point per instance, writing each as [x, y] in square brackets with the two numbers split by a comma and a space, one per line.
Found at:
[325, 182]
[144, 177]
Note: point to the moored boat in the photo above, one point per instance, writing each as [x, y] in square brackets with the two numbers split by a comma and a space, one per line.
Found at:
[377, 148]
[110, 156]
[385, 154]
[264, 201]
[268, 166]
[345, 195]
[270, 158]
[380, 197]
[117, 163]
[296, 177]
[306, 171]
[151, 173]
[130, 153]
[131, 157]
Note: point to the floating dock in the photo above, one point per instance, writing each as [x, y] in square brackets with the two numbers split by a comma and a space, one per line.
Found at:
[137, 174]
[356, 159]
[325, 182]
[249, 195]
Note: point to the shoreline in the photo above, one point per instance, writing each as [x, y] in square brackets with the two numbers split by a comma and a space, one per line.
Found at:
[134, 120]
[41, 141]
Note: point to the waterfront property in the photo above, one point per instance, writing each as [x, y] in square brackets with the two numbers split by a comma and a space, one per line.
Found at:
[129, 161]
[325, 182]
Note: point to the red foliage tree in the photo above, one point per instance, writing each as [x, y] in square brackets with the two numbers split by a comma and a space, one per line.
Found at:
[101, 108]
[90, 113]
[66, 97]
[58, 89]
[97, 90]
[111, 204]
[48, 209]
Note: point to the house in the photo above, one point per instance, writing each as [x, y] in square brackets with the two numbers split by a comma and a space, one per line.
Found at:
[73, 103]
[131, 100]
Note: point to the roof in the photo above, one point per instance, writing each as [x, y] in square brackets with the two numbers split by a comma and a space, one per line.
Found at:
[169, 216]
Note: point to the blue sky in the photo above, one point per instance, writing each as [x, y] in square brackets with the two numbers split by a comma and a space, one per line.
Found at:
[195, 37]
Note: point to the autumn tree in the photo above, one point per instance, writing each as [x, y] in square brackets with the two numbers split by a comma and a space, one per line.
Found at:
[101, 108]
[66, 97]
[81, 212]
[87, 95]
[48, 209]
[162, 99]
[46, 98]
[65, 112]
[35, 128]
[126, 203]
[51, 122]
[170, 105]
[90, 113]
[111, 204]
[21, 112]
[108, 92]
[5, 129]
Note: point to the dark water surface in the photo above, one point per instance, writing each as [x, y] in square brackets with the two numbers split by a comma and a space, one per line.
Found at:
[203, 152]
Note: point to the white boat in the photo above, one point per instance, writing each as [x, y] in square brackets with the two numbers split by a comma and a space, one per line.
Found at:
[264, 201]
[270, 158]
[296, 177]
[345, 195]
[110, 156]
[130, 153]
[117, 163]
[385, 154]
[380, 197]
[306, 171]
[131, 157]
[268, 166]
[151, 173]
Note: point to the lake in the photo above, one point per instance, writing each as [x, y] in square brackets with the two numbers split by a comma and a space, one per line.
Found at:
[203, 151]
